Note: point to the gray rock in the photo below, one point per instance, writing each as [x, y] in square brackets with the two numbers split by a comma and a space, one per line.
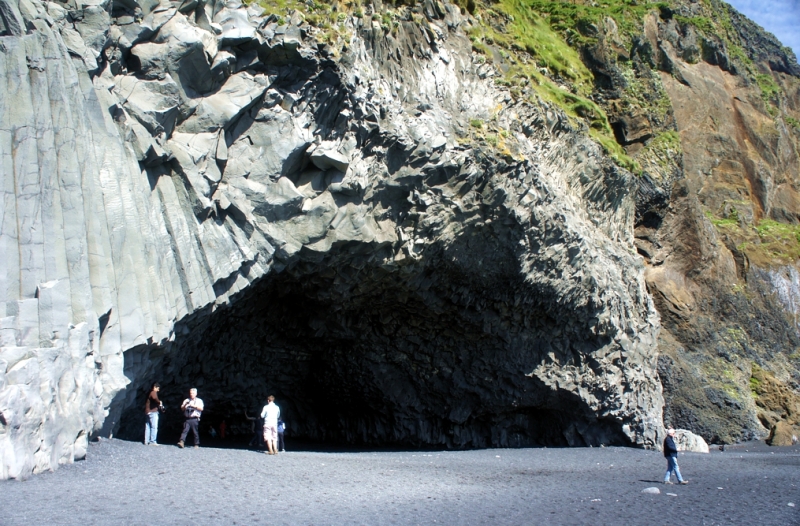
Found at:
[167, 198]
[11, 18]
[155, 104]
[187, 6]
[145, 7]
[224, 64]
[134, 33]
[194, 154]
[76, 46]
[652, 491]
[186, 54]
[236, 27]
[325, 159]
[225, 106]
[94, 25]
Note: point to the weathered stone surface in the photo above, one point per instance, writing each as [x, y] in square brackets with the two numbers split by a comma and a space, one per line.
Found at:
[155, 104]
[782, 434]
[172, 199]
[708, 283]
[236, 26]
[325, 159]
[222, 108]
[634, 128]
[185, 51]
[13, 24]
[284, 216]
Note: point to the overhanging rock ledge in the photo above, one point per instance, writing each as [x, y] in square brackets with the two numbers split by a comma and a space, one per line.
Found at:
[173, 172]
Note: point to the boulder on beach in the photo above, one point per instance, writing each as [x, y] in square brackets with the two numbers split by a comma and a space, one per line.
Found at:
[781, 434]
[688, 441]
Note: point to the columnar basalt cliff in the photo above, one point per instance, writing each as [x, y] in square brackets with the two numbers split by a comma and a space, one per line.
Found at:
[357, 211]
[191, 157]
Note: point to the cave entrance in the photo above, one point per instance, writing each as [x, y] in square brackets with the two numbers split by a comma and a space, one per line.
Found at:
[418, 356]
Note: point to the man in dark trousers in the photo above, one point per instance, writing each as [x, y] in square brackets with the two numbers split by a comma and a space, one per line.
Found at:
[192, 408]
[255, 428]
[671, 453]
[281, 429]
[151, 409]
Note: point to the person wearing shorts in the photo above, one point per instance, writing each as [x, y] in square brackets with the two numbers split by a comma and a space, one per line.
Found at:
[271, 413]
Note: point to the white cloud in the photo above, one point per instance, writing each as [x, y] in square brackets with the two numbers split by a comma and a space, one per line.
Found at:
[779, 17]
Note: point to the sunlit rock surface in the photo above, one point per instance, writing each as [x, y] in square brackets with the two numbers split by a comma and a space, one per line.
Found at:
[196, 194]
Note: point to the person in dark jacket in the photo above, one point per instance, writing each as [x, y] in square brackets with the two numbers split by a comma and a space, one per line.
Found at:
[255, 427]
[151, 409]
[671, 453]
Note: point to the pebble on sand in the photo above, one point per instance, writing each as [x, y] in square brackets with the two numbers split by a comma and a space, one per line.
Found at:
[652, 491]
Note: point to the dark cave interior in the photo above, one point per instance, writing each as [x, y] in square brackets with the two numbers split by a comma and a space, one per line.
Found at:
[359, 355]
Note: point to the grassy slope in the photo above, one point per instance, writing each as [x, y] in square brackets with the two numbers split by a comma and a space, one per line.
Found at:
[539, 43]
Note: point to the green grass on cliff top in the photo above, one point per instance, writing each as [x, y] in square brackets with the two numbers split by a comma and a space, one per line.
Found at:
[539, 30]
[767, 244]
[548, 32]
[574, 18]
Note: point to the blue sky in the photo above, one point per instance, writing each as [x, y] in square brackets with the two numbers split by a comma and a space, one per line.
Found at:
[779, 17]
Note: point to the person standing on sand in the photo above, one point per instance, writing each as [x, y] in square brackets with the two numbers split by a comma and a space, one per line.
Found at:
[257, 429]
[281, 430]
[192, 408]
[271, 413]
[151, 409]
[671, 454]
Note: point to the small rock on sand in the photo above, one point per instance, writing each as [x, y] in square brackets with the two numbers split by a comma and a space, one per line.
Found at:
[652, 491]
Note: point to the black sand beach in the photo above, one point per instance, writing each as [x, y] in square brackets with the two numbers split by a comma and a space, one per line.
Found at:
[129, 483]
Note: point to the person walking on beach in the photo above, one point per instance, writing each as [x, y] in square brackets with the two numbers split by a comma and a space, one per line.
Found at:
[151, 408]
[271, 413]
[192, 408]
[671, 453]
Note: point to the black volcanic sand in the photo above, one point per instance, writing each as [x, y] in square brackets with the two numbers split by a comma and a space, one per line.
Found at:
[129, 483]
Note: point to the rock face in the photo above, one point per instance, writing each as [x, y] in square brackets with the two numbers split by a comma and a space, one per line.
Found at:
[778, 407]
[723, 281]
[392, 232]
[707, 104]
[782, 434]
[203, 196]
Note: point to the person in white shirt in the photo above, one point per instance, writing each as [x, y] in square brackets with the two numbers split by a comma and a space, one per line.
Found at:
[192, 408]
[271, 413]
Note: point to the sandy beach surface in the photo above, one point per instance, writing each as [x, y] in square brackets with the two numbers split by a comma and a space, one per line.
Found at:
[131, 484]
